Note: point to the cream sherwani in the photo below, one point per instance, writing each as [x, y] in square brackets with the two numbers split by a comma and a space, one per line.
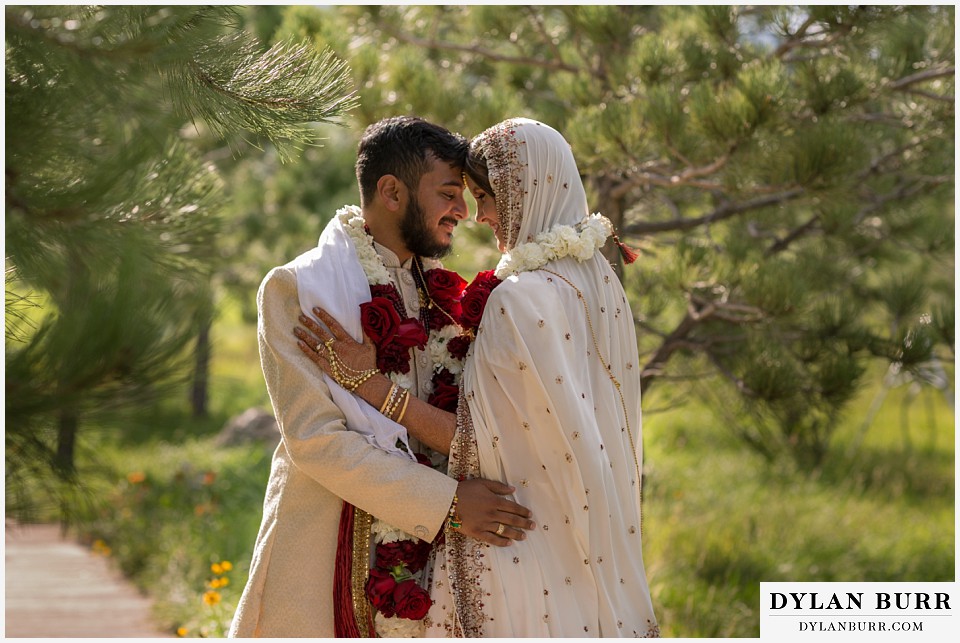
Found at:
[319, 464]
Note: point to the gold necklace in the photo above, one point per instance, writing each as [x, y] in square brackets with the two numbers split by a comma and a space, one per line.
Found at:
[616, 383]
[423, 294]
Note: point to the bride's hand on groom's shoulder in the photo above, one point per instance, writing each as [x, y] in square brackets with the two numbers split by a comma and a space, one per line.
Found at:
[487, 515]
[321, 345]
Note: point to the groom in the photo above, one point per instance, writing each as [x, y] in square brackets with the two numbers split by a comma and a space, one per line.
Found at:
[411, 187]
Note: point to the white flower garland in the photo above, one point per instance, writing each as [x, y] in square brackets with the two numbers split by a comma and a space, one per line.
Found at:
[352, 220]
[580, 241]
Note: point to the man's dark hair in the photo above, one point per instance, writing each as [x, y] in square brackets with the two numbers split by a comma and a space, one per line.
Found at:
[403, 146]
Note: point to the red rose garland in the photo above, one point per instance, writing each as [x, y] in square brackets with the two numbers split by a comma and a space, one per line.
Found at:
[391, 587]
[473, 302]
[449, 321]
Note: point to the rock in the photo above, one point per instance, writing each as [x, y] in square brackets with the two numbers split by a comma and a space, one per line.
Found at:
[253, 425]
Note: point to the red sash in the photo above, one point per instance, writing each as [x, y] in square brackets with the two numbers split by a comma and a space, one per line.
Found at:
[352, 614]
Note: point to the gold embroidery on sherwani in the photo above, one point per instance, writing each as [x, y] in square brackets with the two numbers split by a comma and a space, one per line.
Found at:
[360, 568]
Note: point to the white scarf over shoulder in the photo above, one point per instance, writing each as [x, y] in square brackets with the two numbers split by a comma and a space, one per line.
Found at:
[330, 276]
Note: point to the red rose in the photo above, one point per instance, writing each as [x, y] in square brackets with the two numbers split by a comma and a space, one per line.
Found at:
[393, 358]
[412, 601]
[390, 555]
[403, 553]
[423, 459]
[379, 320]
[444, 286]
[446, 289]
[380, 589]
[440, 315]
[410, 333]
[475, 298]
[390, 292]
[458, 346]
[445, 391]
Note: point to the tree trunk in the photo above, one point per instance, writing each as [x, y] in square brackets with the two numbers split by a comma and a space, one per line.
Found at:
[201, 370]
[67, 428]
[611, 207]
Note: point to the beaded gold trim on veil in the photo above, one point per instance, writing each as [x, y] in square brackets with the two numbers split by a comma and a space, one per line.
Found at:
[465, 555]
[501, 148]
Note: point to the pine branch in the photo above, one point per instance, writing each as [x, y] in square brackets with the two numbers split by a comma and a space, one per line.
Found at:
[796, 39]
[920, 77]
[274, 94]
[478, 50]
[725, 211]
[673, 342]
[906, 83]
[688, 177]
[782, 244]
[536, 17]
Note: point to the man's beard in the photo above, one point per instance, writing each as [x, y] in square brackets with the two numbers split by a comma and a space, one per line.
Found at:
[419, 239]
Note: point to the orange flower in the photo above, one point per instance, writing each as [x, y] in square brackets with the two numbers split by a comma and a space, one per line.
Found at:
[136, 477]
[101, 547]
[226, 565]
[216, 568]
[209, 477]
[211, 597]
[182, 631]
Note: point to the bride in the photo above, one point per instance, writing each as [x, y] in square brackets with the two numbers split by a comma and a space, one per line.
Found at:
[549, 400]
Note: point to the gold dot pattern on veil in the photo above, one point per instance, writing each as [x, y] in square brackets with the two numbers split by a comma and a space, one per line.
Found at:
[613, 379]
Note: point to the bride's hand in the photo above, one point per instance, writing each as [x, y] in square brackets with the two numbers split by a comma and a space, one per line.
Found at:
[322, 346]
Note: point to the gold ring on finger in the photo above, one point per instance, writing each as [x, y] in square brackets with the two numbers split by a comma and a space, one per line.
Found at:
[500, 529]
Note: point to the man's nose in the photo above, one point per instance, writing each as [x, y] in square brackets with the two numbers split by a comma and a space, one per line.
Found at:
[460, 208]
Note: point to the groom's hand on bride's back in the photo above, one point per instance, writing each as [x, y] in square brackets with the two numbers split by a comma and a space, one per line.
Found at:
[483, 508]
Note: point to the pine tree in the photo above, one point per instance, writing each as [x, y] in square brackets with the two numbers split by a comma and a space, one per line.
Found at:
[787, 173]
[111, 209]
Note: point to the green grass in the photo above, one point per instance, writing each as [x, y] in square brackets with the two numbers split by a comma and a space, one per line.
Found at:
[718, 519]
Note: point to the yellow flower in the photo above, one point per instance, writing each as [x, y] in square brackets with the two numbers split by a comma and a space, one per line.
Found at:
[181, 632]
[227, 565]
[101, 547]
[213, 583]
[211, 597]
[224, 582]
[216, 568]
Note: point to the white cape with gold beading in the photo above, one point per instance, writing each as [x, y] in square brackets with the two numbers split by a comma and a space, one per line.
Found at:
[547, 419]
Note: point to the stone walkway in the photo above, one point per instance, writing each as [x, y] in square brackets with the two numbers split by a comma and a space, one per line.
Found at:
[56, 588]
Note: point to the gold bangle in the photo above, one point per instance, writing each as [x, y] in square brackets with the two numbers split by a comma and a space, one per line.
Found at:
[453, 515]
[406, 400]
[391, 401]
[395, 404]
[386, 400]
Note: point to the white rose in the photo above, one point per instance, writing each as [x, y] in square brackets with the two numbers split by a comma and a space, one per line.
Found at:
[386, 533]
[396, 627]
[528, 256]
[437, 348]
[401, 379]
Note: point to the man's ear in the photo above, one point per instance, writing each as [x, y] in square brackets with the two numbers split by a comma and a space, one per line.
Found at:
[392, 192]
